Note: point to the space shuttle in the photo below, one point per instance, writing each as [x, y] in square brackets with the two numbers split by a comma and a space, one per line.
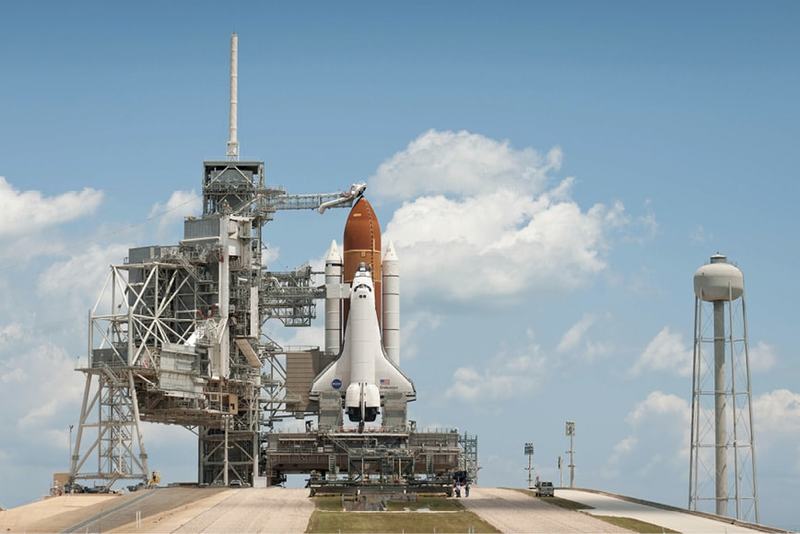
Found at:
[363, 297]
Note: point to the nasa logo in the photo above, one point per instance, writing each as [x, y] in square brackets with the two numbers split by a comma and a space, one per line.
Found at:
[336, 384]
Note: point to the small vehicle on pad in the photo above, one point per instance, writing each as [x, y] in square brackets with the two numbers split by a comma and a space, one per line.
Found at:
[544, 489]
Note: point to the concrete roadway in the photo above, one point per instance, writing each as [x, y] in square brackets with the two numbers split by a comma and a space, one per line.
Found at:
[514, 511]
[679, 521]
[185, 510]
[235, 510]
[178, 509]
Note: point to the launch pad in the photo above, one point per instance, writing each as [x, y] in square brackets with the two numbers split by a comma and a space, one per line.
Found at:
[176, 337]
[340, 462]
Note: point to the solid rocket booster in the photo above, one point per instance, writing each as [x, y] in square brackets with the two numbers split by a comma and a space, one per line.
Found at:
[391, 304]
[362, 244]
[333, 305]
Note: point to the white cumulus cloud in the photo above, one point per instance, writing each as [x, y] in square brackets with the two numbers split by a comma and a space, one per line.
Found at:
[412, 326]
[462, 163]
[659, 403]
[576, 333]
[11, 332]
[510, 374]
[82, 274]
[179, 205]
[480, 221]
[76, 282]
[762, 357]
[658, 437]
[27, 212]
[668, 351]
[776, 414]
[665, 352]
[499, 244]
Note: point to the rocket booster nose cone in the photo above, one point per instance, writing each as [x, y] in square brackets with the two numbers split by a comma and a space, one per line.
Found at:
[390, 255]
[334, 256]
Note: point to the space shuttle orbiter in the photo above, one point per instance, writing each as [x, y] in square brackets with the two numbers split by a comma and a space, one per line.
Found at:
[363, 373]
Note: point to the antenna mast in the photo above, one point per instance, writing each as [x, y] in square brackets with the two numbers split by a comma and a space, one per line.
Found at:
[233, 139]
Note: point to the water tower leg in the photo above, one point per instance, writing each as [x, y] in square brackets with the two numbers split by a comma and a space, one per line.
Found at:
[720, 406]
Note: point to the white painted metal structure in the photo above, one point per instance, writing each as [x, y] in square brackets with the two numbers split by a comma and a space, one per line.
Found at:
[529, 469]
[233, 134]
[175, 336]
[730, 417]
[391, 304]
[570, 432]
[333, 306]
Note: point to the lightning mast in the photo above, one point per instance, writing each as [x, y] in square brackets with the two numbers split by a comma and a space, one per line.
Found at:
[233, 134]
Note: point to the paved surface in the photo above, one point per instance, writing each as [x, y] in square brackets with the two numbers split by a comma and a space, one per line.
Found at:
[513, 511]
[167, 510]
[213, 510]
[55, 514]
[682, 522]
[238, 510]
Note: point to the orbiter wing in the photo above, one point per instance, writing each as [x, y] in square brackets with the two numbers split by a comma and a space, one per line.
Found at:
[388, 377]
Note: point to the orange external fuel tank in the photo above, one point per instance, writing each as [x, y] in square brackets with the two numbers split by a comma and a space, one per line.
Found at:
[362, 244]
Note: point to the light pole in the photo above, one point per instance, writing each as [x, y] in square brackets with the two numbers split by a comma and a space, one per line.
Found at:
[560, 474]
[570, 430]
[70, 446]
[227, 419]
[529, 454]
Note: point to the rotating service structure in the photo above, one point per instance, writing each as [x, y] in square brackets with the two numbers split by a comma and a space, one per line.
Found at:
[175, 336]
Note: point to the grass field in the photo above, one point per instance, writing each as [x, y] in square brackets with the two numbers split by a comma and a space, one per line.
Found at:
[330, 503]
[635, 525]
[557, 501]
[408, 522]
[445, 515]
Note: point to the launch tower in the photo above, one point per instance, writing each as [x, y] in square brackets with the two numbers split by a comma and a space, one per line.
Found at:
[176, 337]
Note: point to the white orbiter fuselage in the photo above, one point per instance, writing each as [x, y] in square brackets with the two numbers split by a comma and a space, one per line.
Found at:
[362, 370]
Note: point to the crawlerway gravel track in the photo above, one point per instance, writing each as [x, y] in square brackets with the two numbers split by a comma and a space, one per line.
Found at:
[513, 511]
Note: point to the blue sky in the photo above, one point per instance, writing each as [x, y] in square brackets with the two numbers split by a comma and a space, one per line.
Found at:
[675, 126]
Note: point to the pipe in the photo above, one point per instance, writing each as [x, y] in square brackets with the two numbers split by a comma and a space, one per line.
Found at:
[720, 409]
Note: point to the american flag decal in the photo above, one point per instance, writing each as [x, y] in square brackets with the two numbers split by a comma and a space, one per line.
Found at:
[384, 382]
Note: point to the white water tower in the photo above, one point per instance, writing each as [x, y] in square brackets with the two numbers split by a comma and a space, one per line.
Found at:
[722, 462]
